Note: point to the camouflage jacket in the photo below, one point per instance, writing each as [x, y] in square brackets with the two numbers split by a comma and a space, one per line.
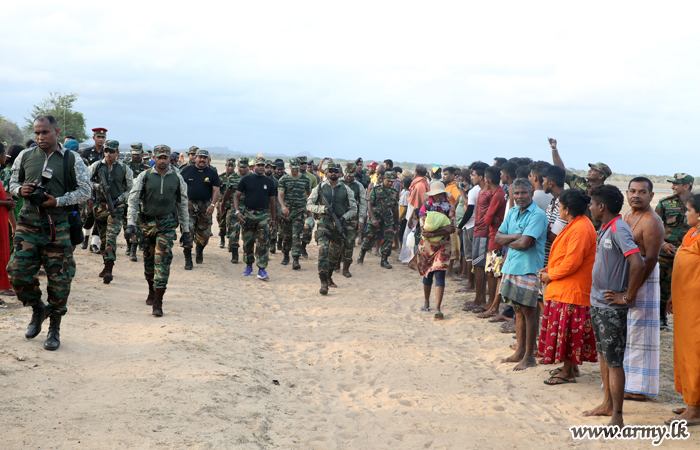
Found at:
[383, 201]
[294, 191]
[576, 182]
[137, 168]
[672, 212]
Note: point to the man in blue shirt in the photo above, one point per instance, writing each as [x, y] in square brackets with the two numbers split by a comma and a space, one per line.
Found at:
[524, 232]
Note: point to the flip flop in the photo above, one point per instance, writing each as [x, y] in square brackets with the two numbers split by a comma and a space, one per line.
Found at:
[423, 308]
[558, 370]
[564, 381]
[689, 424]
[439, 316]
[478, 310]
[470, 307]
[486, 315]
[464, 290]
[497, 319]
[508, 330]
[634, 399]
[8, 292]
[679, 411]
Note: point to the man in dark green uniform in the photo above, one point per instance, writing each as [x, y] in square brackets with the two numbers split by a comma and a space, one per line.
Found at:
[292, 192]
[233, 231]
[91, 155]
[672, 211]
[159, 196]
[356, 222]
[330, 241]
[137, 165]
[42, 236]
[597, 174]
[221, 209]
[383, 209]
[309, 223]
[192, 155]
[118, 177]
[270, 173]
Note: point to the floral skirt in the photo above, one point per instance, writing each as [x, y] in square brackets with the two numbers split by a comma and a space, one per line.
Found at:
[431, 256]
[566, 334]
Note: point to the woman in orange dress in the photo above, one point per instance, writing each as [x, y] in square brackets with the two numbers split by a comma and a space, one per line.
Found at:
[684, 302]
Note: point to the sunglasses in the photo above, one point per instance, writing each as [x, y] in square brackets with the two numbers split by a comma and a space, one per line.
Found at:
[110, 150]
[333, 171]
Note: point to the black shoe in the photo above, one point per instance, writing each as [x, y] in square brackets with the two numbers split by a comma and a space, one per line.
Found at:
[361, 258]
[222, 243]
[663, 322]
[273, 247]
[279, 245]
[84, 245]
[53, 339]
[199, 258]
[285, 260]
[303, 252]
[38, 316]
[188, 258]
[234, 256]
[295, 263]
[94, 249]
[128, 250]
[133, 253]
[385, 263]
[324, 283]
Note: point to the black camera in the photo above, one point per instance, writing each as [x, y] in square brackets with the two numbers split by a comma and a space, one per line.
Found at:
[37, 197]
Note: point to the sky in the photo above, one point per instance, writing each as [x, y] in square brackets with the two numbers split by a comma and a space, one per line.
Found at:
[434, 82]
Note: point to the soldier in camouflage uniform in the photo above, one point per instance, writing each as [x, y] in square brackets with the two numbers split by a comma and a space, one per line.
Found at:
[233, 232]
[221, 209]
[91, 155]
[39, 241]
[159, 196]
[597, 174]
[256, 213]
[270, 173]
[672, 211]
[331, 241]
[383, 212]
[292, 193]
[192, 155]
[356, 222]
[309, 223]
[137, 165]
[203, 194]
[120, 179]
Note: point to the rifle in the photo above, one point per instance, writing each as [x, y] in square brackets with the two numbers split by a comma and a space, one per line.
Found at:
[106, 184]
[341, 228]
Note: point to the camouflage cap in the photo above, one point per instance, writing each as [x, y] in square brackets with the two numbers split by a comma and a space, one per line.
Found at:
[160, 150]
[202, 152]
[294, 163]
[230, 161]
[193, 150]
[302, 160]
[258, 160]
[136, 148]
[332, 165]
[243, 162]
[682, 178]
[602, 168]
[390, 175]
[112, 144]
[350, 168]
[268, 162]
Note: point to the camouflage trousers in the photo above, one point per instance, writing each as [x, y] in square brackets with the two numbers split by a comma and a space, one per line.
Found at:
[351, 225]
[137, 228]
[233, 230]
[31, 252]
[158, 239]
[665, 272]
[200, 223]
[109, 228]
[330, 244]
[308, 230]
[386, 226]
[222, 219]
[256, 233]
[291, 230]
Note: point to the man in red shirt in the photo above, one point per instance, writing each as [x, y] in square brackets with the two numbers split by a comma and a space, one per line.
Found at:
[480, 243]
[493, 218]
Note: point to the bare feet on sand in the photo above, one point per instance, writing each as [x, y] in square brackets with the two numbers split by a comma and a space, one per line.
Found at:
[602, 410]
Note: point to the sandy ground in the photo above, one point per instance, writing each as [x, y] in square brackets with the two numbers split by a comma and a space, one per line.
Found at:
[237, 363]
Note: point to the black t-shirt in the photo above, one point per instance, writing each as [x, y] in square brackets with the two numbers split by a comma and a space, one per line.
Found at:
[200, 182]
[257, 190]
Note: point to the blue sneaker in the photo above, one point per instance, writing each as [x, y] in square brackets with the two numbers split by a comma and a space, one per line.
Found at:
[248, 271]
[263, 275]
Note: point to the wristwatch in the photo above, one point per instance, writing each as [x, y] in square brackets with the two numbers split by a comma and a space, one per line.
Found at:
[238, 211]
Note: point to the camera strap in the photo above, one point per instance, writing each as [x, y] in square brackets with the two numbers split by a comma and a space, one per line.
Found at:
[52, 225]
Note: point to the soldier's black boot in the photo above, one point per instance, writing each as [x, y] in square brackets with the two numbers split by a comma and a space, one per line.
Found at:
[222, 242]
[664, 319]
[104, 269]
[53, 339]
[158, 302]
[285, 260]
[273, 246]
[38, 316]
[295, 263]
[234, 256]
[109, 265]
[188, 258]
[346, 269]
[303, 251]
[361, 258]
[324, 283]
[385, 262]
[84, 245]
[134, 248]
[128, 249]
[199, 258]
[151, 293]
[279, 245]
[330, 280]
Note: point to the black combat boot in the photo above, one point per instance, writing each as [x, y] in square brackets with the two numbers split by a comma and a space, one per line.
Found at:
[158, 302]
[188, 258]
[84, 245]
[361, 258]
[107, 278]
[134, 248]
[273, 246]
[346, 269]
[199, 258]
[330, 280]
[234, 256]
[285, 260]
[53, 339]
[104, 269]
[151, 293]
[38, 316]
[128, 249]
[295, 263]
[222, 242]
[385, 262]
[324, 283]
[664, 318]
[279, 245]
[303, 251]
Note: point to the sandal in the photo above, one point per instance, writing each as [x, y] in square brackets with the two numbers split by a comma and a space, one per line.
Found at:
[423, 308]
[508, 330]
[479, 310]
[9, 292]
[486, 315]
[497, 319]
[470, 307]
[563, 381]
[439, 316]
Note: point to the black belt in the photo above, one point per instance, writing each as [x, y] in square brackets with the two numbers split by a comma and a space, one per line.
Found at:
[255, 209]
[146, 218]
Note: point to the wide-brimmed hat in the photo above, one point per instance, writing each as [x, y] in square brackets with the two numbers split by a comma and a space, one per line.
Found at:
[437, 188]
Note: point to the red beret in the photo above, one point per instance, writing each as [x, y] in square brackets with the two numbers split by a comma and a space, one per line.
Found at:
[99, 130]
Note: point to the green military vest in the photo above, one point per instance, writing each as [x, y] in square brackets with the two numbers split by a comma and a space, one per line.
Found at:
[33, 161]
[356, 191]
[118, 185]
[341, 202]
[159, 193]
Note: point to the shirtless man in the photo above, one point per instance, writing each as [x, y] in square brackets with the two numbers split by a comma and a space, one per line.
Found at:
[642, 351]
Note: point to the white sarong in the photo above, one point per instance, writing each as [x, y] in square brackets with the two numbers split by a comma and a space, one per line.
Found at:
[407, 253]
